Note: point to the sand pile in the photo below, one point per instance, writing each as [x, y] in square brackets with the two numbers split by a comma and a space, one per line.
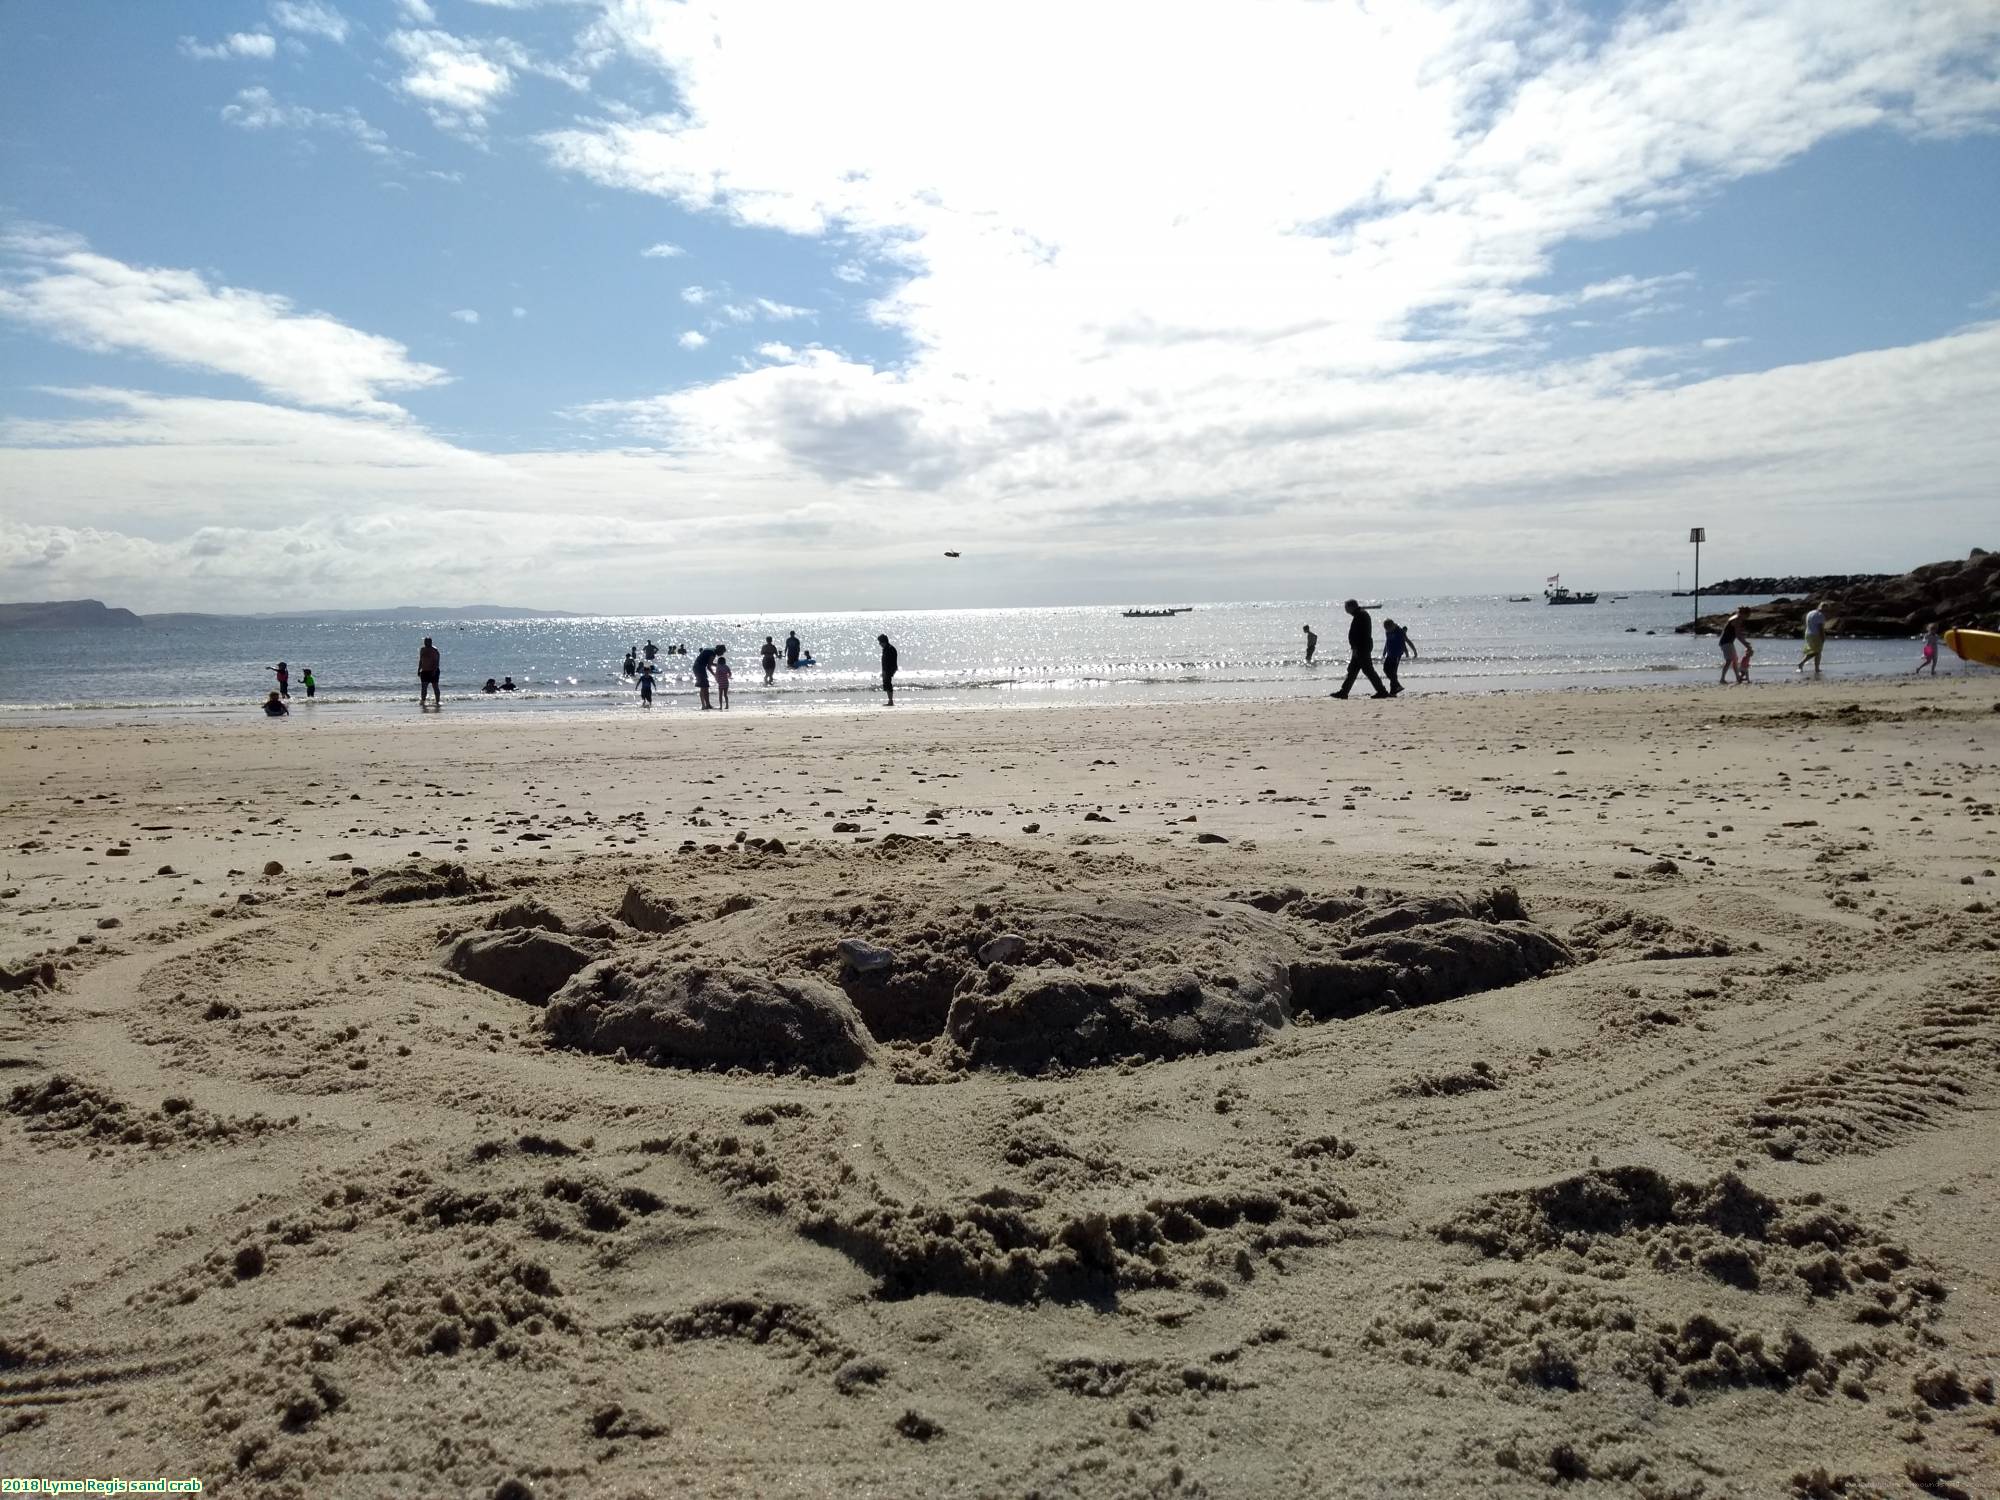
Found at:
[666, 1010]
[529, 963]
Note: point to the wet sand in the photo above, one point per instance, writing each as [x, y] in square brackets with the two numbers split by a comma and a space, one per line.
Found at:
[1459, 1095]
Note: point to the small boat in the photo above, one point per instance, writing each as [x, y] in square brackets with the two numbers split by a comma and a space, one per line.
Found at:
[1982, 646]
[1157, 614]
[1557, 594]
[1520, 598]
[951, 554]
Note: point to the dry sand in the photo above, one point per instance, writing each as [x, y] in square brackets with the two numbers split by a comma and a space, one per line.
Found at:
[1457, 1096]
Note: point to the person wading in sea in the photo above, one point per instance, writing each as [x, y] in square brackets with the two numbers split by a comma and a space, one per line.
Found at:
[1360, 651]
[1312, 643]
[888, 670]
[430, 667]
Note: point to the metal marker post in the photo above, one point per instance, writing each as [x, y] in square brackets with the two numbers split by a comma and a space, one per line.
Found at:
[1697, 535]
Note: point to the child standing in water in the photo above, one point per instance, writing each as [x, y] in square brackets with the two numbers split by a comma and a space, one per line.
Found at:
[306, 676]
[721, 677]
[646, 684]
[1932, 640]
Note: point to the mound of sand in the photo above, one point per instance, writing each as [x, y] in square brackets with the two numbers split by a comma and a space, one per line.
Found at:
[687, 1014]
[418, 881]
[529, 963]
[1108, 978]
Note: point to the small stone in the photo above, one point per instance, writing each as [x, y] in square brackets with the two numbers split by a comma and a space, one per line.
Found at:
[272, 867]
[117, 851]
[864, 957]
[1210, 838]
[1031, 828]
[164, 870]
[105, 924]
[1004, 949]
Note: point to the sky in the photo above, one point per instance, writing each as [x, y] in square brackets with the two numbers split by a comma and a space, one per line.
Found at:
[644, 306]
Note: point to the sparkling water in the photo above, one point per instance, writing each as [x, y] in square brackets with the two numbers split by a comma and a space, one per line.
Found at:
[952, 658]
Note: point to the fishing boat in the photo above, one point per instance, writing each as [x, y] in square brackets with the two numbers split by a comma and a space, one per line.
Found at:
[1555, 593]
[1158, 614]
[1520, 598]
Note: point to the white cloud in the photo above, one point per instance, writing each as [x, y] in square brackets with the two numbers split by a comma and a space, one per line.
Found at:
[417, 10]
[466, 315]
[453, 78]
[237, 44]
[662, 251]
[693, 339]
[1120, 289]
[65, 290]
[259, 109]
[520, 312]
[695, 295]
[310, 17]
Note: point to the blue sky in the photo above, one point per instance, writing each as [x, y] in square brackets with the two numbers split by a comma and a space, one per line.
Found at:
[305, 303]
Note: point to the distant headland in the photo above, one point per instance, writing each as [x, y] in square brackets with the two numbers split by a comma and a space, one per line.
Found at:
[94, 614]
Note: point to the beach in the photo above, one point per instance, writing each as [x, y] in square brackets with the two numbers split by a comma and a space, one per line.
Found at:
[1470, 1094]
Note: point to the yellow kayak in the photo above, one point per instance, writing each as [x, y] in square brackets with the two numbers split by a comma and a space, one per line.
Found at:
[1982, 646]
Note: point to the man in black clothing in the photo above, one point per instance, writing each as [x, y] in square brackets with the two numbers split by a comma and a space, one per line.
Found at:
[888, 669]
[1360, 651]
[1312, 643]
[704, 659]
[791, 648]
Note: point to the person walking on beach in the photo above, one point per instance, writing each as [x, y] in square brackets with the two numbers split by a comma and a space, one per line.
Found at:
[1395, 641]
[704, 659]
[1815, 638]
[1732, 628]
[646, 685]
[1360, 651]
[306, 676]
[430, 666]
[791, 649]
[770, 654]
[888, 670]
[1932, 640]
[284, 679]
[721, 677]
[1312, 643]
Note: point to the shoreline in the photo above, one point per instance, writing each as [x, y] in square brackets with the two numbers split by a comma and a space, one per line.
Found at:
[586, 705]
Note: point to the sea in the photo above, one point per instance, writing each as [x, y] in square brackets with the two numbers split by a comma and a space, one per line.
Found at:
[963, 658]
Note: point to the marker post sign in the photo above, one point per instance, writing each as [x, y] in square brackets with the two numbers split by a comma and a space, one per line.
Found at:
[1697, 535]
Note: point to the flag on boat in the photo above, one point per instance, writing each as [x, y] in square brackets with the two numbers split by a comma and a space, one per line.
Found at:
[1555, 578]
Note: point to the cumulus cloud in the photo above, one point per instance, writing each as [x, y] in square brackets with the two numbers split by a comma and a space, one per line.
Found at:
[256, 44]
[693, 339]
[454, 79]
[310, 17]
[466, 315]
[417, 10]
[1293, 289]
[63, 289]
[662, 251]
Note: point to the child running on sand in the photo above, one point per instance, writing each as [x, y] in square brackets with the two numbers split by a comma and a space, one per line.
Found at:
[1932, 640]
[721, 677]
